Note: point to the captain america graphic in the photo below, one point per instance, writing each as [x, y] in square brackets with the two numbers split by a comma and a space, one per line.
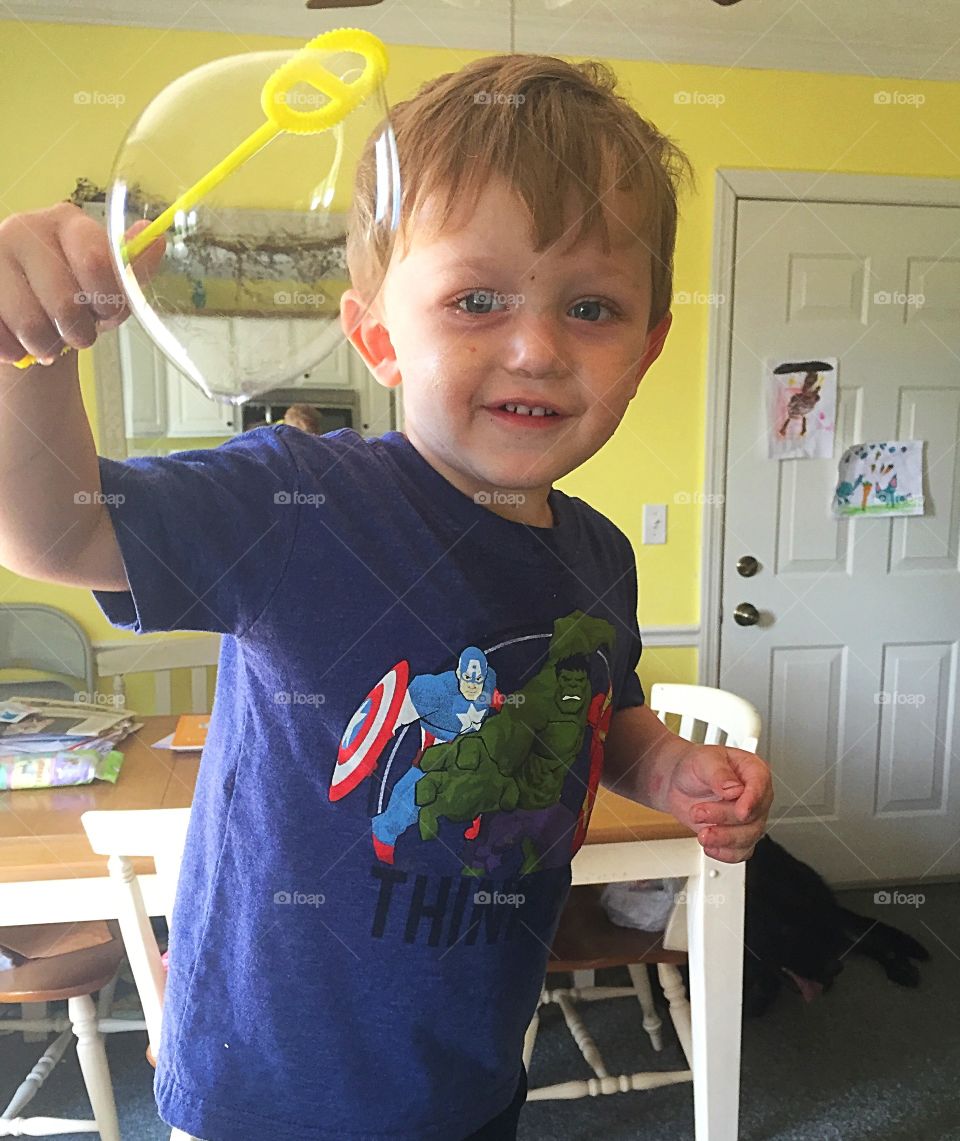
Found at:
[513, 774]
[446, 705]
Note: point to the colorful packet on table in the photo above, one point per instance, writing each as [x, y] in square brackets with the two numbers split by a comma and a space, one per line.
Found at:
[78, 766]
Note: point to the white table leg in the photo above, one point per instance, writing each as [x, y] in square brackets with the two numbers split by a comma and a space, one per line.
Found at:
[715, 901]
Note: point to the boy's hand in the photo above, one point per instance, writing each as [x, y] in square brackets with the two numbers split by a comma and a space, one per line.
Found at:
[728, 789]
[58, 285]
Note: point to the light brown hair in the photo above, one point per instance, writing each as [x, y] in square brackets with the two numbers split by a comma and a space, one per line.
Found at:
[551, 129]
[305, 417]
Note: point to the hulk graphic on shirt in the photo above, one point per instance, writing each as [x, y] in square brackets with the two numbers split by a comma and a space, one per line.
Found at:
[512, 769]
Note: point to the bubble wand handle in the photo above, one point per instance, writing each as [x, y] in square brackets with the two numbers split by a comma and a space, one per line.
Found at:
[343, 97]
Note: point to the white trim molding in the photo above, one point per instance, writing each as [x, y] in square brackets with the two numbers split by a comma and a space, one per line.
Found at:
[731, 186]
[669, 637]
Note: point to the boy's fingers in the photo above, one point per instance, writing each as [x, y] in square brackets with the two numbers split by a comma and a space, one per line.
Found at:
[58, 285]
[117, 309]
[86, 249]
[751, 805]
[99, 290]
[728, 855]
[10, 347]
[55, 287]
[716, 814]
[29, 323]
[757, 794]
[737, 837]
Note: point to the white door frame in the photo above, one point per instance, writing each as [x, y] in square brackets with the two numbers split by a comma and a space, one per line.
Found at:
[733, 184]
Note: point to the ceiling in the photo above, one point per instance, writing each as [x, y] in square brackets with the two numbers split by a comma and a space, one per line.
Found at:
[918, 40]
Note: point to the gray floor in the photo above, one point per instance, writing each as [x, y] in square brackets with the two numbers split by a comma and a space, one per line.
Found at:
[867, 1062]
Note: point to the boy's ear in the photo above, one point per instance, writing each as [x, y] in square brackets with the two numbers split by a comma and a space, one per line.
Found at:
[655, 340]
[369, 336]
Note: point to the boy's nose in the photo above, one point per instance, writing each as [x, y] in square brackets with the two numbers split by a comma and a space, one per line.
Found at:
[535, 345]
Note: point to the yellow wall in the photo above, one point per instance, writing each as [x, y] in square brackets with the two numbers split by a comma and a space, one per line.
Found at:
[780, 120]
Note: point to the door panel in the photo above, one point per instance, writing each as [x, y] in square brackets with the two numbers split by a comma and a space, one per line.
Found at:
[854, 661]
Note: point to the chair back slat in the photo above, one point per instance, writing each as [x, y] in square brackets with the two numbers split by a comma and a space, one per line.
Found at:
[712, 735]
[161, 656]
[163, 692]
[719, 710]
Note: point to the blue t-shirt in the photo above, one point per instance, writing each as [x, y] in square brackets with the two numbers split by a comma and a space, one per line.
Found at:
[411, 703]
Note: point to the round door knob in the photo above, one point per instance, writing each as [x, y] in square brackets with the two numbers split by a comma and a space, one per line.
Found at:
[746, 614]
[747, 566]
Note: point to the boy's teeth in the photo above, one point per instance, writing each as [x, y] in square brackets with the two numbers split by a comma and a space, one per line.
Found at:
[523, 410]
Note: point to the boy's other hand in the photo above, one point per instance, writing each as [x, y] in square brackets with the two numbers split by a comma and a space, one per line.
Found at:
[58, 285]
[724, 795]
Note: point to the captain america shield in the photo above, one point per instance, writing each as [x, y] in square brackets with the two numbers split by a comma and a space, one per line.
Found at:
[369, 730]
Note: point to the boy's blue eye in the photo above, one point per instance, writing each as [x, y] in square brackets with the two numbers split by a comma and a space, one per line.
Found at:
[588, 309]
[480, 301]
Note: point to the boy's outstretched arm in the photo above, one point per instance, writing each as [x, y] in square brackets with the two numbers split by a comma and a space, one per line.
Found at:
[52, 527]
[56, 283]
[721, 793]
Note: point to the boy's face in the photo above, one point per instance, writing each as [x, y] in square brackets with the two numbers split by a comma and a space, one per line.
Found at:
[473, 318]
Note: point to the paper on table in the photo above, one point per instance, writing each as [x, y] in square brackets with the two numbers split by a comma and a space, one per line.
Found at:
[12, 711]
[167, 743]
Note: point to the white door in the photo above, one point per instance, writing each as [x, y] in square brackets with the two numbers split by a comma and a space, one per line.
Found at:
[854, 661]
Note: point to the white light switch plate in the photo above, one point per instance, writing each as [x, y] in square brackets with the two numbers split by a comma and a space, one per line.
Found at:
[654, 523]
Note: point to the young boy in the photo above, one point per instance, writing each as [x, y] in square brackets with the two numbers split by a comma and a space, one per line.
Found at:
[429, 652]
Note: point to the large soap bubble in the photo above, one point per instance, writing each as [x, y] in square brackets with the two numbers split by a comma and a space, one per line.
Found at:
[246, 166]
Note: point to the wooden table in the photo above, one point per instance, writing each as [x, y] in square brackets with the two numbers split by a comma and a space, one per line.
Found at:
[49, 874]
[47, 871]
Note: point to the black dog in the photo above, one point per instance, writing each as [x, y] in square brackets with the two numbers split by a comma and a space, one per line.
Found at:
[796, 932]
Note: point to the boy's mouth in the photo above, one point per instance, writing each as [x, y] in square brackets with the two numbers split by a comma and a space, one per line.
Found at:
[525, 417]
[528, 414]
[526, 410]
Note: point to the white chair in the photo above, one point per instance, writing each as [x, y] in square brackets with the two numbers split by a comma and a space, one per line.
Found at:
[74, 976]
[123, 836]
[160, 656]
[587, 940]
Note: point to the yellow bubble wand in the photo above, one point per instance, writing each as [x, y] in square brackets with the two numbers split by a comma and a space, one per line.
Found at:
[343, 97]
